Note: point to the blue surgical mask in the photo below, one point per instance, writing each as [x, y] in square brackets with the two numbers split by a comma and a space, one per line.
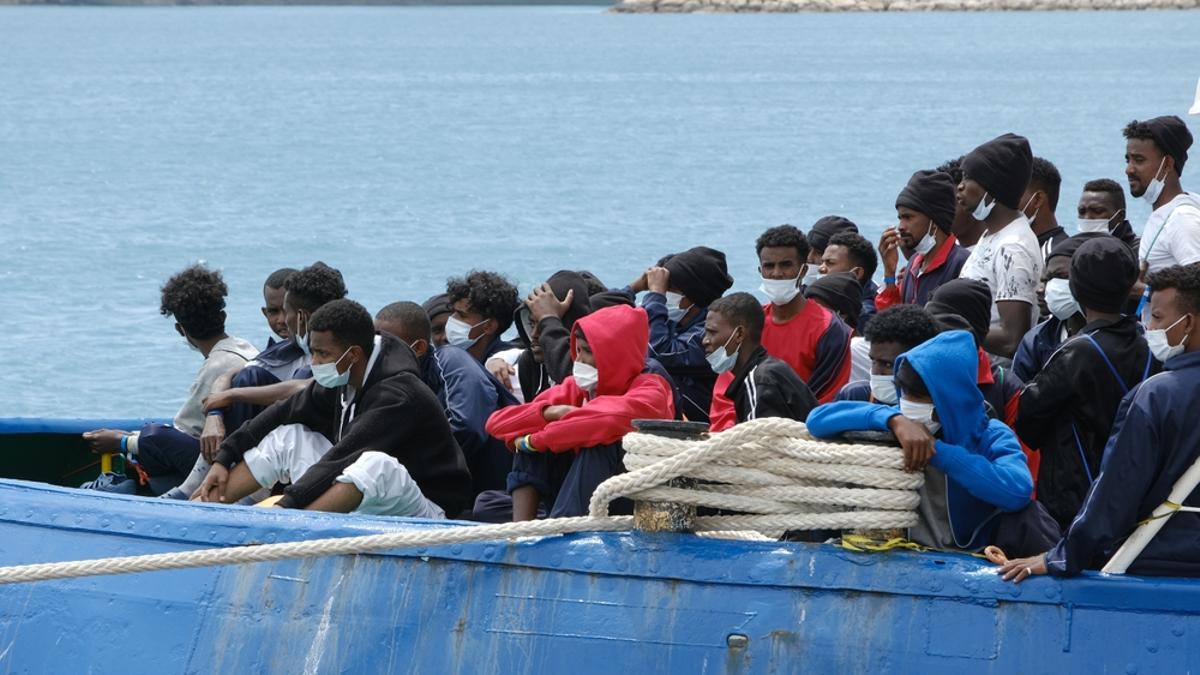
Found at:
[984, 209]
[675, 313]
[721, 360]
[458, 333]
[327, 375]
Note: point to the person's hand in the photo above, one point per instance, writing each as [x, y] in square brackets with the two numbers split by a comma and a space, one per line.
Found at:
[639, 284]
[889, 251]
[554, 413]
[103, 441]
[657, 279]
[500, 369]
[543, 303]
[220, 400]
[213, 487]
[211, 437]
[1021, 569]
[915, 440]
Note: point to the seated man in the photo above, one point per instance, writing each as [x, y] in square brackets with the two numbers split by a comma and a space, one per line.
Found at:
[762, 386]
[891, 333]
[1067, 410]
[438, 310]
[276, 373]
[483, 304]
[195, 297]
[367, 435]
[568, 440]
[925, 214]
[818, 238]
[677, 294]
[468, 394]
[1154, 441]
[973, 466]
[841, 293]
[850, 252]
[1045, 338]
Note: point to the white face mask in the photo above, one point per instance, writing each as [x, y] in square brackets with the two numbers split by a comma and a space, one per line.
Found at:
[1035, 211]
[586, 377]
[1160, 345]
[1060, 300]
[983, 209]
[720, 360]
[927, 242]
[1155, 188]
[812, 274]
[458, 332]
[301, 339]
[780, 291]
[1092, 225]
[674, 311]
[883, 388]
[922, 413]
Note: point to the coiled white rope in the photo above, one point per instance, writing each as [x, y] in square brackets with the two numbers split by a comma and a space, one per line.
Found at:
[771, 470]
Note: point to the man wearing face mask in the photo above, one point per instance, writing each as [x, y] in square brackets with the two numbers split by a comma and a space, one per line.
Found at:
[1101, 209]
[851, 252]
[366, 436]
[762, 386]
[925, 212]
[1154, 441]
[1039, 202]
[483, 304]
[677, 293]
[568, 440]
[1008, 258]
[165, 454]
[467, 392]
[1155, 153]
[973, 466]
[1067, 410]
[1065, 317]
[818, 238]
[273, 375]
[891, 333]
[801, 333]
[966, 229]
[841, 293]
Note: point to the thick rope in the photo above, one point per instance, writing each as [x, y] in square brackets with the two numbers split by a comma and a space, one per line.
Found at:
[770, 471]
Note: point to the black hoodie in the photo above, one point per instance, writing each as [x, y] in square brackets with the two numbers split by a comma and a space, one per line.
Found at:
[393, 412]
[554, 337]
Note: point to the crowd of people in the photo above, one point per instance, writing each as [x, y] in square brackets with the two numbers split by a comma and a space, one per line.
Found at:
[1040, 376]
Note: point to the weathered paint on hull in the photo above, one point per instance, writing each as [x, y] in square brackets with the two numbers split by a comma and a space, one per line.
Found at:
[599, 603]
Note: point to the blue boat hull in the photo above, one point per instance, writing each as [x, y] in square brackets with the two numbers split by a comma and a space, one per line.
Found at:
[587, 603]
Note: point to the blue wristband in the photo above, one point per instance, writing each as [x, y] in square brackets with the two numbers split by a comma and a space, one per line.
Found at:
[124, 444]
[889, 281]
[218, 413]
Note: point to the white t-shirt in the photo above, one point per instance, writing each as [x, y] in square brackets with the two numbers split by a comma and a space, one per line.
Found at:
[860, 359]
[1172, 234]
[1010, 263]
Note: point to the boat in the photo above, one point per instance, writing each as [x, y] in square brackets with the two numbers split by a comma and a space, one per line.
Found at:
[635, 602]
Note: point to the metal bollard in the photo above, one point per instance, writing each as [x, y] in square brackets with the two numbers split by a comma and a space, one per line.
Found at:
[652, 516]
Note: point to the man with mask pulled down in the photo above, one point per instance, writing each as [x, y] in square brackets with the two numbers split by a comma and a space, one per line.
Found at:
[1101, 209]
[973, 466]
[925, 211]
[1067, 410]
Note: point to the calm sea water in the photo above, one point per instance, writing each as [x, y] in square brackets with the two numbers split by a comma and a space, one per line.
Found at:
[404, 145]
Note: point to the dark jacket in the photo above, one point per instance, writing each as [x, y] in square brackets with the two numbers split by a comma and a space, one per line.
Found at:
[554, 333]
[769, 388]
[678, 348]
[913, 287]
[1155, 439]
[1124, 232]
[1036, 347]
[469, 395]
[393, 412]
[1051, 238]
[1067, 411]
[869, 290]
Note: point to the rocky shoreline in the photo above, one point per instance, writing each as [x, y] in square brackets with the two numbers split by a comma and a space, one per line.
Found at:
[679, 6]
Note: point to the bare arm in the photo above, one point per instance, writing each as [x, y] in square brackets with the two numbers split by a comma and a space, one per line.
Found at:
[1015, 321]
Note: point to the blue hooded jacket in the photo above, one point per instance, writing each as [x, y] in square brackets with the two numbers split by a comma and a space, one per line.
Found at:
[981, 458]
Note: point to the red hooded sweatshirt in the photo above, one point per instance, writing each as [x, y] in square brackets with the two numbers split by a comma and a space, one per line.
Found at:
[618, 337]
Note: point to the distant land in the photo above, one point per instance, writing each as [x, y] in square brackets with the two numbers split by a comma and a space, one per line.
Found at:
[205, 3]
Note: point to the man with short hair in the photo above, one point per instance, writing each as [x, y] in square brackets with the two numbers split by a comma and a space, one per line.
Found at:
[1155, 153]
[438, 309]
[851, 252]
[367, 435]
[1007, 258]
[1154, 441]
[1067, 409]
[966, 229]
[195, 298]
[1039, 202]
[272, 309]
[891, 333]
[1102, 209]
[467, 392]
[677, 294]
[818, 238]
[762, 385]
[925, 213]
[483, 305]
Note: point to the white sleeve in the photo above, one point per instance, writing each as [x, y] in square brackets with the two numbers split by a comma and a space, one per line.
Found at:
[1184, 235]
[509, 356]
[1018, 274]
